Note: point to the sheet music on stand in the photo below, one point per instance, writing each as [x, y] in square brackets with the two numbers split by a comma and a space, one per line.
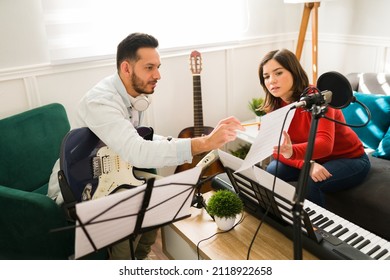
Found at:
[106, 220]
[268, 136]
[255, 187]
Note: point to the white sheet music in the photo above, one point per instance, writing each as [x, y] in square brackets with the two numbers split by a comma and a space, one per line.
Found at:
[259, 175]
[268, 136]
[111, 218]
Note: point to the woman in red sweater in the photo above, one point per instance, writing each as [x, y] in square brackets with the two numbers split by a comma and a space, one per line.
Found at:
[339, 161]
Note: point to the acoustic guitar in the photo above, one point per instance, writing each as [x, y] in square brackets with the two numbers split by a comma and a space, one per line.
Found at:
[198, 129]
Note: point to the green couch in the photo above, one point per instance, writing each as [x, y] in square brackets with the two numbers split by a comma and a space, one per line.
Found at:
[29, 146]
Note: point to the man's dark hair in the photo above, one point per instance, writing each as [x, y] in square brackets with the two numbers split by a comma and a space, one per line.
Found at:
[127, 49]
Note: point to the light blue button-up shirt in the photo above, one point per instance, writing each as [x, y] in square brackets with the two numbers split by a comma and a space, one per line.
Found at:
[105, 111]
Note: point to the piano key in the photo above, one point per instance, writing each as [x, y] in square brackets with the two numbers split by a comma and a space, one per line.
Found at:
[336, 228]
[336, 222]
[320, 216]
[373, 250]
[381, 254]
[383, 246]
[328, 223]
[342, 231]
[320, 222]
[351, 228]
[363, 234]
[372, 237]
[355, 241]
[317, 210]
[347, 231]
[363, 244]
[337, 225]
[374, 241]
[326, 213]
[310, 211]
[362, 231]
[314, 217]
[345, 225]
[386, 256]
[359, 231]
[351, 237]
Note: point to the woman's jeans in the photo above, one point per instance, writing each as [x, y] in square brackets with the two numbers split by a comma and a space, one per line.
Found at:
[346, 173]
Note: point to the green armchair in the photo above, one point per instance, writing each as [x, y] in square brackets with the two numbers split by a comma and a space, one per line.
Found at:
[29, 146]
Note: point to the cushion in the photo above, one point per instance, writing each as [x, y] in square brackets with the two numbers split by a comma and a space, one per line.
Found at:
[379, 105]
[383, 150]
[30, 143]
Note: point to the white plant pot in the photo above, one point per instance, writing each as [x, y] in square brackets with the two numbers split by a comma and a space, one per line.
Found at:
[225, 223]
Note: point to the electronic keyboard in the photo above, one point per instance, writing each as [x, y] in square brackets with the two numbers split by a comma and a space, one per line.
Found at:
[324, 234]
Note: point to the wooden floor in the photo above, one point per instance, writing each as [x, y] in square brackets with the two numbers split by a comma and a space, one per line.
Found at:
[157, 251]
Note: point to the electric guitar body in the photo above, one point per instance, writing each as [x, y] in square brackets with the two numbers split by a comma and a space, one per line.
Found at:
[92, 170]
[198, 129]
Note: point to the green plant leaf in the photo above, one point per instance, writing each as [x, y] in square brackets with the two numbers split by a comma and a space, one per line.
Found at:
[255, 104]
[241, 151]
[224, 203]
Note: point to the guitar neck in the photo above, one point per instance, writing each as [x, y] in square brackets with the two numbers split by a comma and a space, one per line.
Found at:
[198, 107]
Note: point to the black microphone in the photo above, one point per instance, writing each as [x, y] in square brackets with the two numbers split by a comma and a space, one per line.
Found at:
[319, 99]
[342, 94]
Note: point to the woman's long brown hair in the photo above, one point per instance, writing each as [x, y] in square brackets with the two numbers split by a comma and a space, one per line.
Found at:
[289, 61]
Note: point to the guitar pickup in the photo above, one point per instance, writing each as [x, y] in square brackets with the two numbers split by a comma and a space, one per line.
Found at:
[96, 167]
[106, 165]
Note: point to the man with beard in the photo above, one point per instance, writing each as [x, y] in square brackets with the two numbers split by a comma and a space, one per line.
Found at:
[113, 110]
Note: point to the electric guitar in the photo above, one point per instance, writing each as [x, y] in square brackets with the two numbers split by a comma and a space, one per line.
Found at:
[92, 169]
[199, 129]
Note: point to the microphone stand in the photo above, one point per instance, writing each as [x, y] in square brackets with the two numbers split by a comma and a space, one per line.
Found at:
[206, 161]
[198, 201]
[297, 209]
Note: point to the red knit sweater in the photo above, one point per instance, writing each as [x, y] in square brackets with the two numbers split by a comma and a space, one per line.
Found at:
[333, 141]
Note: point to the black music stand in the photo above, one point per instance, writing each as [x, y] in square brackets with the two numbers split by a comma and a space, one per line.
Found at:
[102, 222]
[151, 210]
[260, 198]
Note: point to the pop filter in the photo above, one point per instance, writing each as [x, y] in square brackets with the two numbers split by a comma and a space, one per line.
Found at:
[340, 87]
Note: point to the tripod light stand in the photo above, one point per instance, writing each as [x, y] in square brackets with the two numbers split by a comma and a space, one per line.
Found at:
[309, 8]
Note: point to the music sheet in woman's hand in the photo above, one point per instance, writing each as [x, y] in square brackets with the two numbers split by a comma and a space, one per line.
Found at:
[268, 137]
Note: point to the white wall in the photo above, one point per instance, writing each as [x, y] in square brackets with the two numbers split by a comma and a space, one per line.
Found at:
[353, 36]
[22, 33]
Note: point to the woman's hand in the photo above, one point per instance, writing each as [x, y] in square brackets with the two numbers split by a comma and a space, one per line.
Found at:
[319, 173]
[285, 149]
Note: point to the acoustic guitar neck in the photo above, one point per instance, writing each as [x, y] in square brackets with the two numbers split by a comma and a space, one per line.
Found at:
[198, 107]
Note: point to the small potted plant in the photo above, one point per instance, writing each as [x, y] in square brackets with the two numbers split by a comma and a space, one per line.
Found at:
[224, 206]
[241, 151]
[254, 105]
